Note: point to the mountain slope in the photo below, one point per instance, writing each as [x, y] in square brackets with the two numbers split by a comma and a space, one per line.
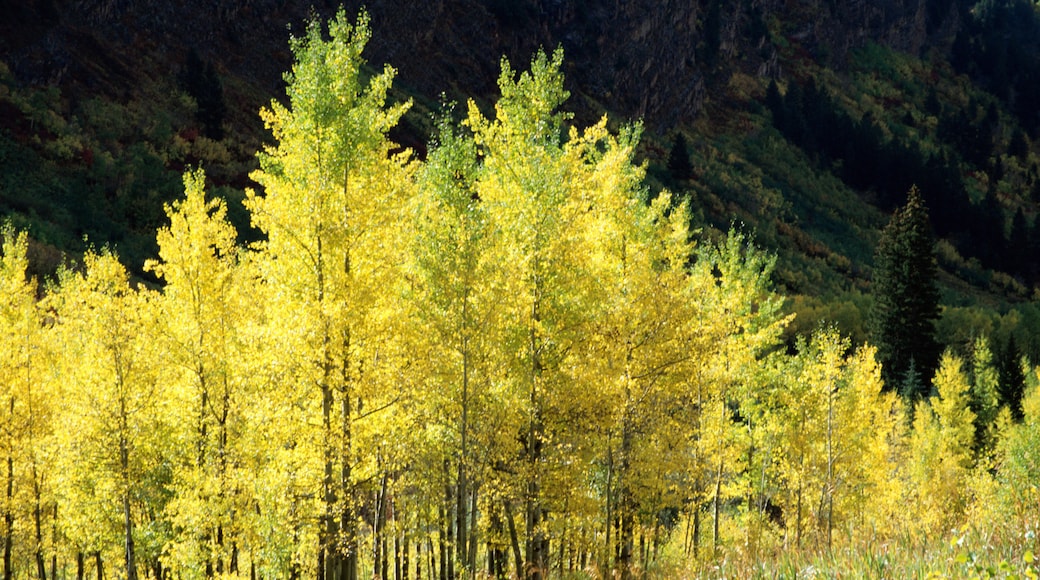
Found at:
[98, 116]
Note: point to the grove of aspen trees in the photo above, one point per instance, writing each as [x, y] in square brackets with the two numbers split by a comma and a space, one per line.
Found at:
[506, 360]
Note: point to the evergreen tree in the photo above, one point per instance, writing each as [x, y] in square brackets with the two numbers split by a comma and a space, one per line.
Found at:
[712, 34]
[201, 81]
[679, 159]
[906, 300]
[1012, 380]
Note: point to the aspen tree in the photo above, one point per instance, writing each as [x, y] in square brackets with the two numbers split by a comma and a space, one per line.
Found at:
[111, 446]
[26, 410]
[456, 301]
[634, 298]
[332, 211]
[984, 401]
[941, 447]
[733, 329]
[871, 438]
[525, 183]
[203, 307]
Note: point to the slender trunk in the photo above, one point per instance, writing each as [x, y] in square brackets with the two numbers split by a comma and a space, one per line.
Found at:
[798, 518]
[99, 565]
[535, 540]
[716, 508]
[563, 544]
[418, 560]
[41, 565]
[131, 561]
[605, 564]
[496, 556]
[431, 562]
[80, 566]
[397, 557]
[328, 561]
[384, 569]
[54, 543]
[473, 536]
[642, 548]
[461, 489]
[657, 537]
[442, 541]
[696, 530]
[348, 515]
[378, 524]
[626, 505]
[128, 527]
[404, 556]
[9, 509]
[449, 547]
[9, 504]
[829, 495]
[584, 558]
[513, 540]
[222, 468]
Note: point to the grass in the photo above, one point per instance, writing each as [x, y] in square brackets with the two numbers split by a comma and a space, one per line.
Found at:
[968, 553]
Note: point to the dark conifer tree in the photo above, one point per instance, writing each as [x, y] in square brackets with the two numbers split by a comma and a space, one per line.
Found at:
[679, 159]
[1017, 257]
[906, 299]
[1012, 382]
[712, 34]
[775, 102]
[201, 81]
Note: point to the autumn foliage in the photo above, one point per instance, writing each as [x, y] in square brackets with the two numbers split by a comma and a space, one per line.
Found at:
[506, 360]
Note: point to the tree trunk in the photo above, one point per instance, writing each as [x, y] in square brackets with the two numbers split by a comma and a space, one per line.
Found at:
[608, 525]
[348, 559]
[626, 505]
[473, 537]
[418, 560]
[536, 543]
[378, 525]
[128, 526]
[461, 487]
[798, 518]
[442, 541]
[99, 565]
[696, 530]
[41, 564]
[404, 556]
[327, 560]
[8, 513]
[514, 541]
[716, 508]
[397, 557]
[496, 556]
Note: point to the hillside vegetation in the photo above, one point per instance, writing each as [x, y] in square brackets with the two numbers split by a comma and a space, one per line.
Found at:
[515, 355]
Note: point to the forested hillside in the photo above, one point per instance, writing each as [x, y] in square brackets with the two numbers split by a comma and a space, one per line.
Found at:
[507, 357]
[714, 289]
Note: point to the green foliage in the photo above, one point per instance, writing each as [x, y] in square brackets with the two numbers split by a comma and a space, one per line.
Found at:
[679, 159]
[1012, 384]
[201, 82]
[906, 300]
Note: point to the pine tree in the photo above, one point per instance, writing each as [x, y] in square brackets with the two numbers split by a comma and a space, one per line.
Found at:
[679, 159]
[1012, 380]
[906, 300]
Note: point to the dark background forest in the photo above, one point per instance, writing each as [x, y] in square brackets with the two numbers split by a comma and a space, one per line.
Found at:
[802, 122]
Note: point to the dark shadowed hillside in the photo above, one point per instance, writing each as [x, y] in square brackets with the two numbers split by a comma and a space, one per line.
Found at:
[805, 121]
